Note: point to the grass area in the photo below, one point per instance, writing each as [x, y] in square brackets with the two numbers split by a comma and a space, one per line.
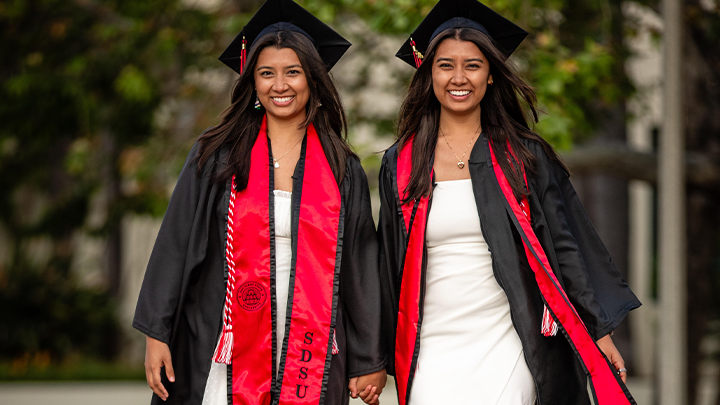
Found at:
[77, 370]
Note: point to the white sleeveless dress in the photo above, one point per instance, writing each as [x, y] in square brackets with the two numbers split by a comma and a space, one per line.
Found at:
[470, 352]
[216, 388]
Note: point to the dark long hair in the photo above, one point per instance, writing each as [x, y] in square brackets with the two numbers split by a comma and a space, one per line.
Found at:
[502, 116]
[241, 121]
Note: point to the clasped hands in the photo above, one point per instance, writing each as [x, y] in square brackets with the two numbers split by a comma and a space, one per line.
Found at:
[157, 356]
[368, 387]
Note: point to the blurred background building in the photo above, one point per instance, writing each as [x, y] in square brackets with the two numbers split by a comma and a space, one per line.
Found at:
[100, 101]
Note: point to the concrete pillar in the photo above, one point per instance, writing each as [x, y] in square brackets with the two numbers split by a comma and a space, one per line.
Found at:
[645, 70]
[672, 357]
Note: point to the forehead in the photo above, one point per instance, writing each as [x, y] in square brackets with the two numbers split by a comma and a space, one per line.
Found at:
[458, 49]
[277, 57]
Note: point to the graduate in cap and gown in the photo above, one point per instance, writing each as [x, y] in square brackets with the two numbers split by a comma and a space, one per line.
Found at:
[263, 286]
[496, 287]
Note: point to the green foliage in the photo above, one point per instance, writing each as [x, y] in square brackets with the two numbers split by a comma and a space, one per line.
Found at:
[571, 56]
[85, 83]
[39, 367]
[45, 313]
[133, 86]
[80, 83]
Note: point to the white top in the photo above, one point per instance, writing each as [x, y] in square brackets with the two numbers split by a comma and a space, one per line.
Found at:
[216, 388]
[469, 350]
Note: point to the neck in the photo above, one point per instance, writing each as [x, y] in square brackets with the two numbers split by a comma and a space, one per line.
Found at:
[465, 124]
[281, 129]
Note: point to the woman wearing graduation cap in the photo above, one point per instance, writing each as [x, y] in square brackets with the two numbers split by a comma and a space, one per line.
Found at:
[263, 285]
[497, 289]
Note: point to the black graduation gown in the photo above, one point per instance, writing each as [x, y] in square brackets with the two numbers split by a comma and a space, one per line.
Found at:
[575, 252]
[182, 296]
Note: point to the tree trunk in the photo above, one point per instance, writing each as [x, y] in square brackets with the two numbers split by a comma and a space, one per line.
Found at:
[111, 183]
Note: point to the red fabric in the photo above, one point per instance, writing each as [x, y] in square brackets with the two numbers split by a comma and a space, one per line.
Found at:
[243, 55]
[314, 274]
[604, 381]
[251, 310]
[548, 327]
[409, 306]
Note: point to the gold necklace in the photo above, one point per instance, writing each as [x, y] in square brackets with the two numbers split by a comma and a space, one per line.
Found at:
[277, 161]
[461, 163]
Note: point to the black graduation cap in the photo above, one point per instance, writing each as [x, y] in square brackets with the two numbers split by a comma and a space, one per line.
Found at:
[462, 14]
[286, 15]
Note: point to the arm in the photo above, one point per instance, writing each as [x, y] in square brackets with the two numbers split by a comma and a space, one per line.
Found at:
[389, 234]
[592, 282]
[179, 246]
[360, 285]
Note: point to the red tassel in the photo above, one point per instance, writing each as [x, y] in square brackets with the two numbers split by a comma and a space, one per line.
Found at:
[223, 351]
[416, 54]
[549, 327]
[335, 348]
[243, 55]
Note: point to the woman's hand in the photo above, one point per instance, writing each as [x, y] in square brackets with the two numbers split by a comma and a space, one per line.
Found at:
[368, 387]
[607, 346]
[157, 355]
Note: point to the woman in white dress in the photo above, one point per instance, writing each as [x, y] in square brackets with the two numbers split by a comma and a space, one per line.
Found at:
[497, 289]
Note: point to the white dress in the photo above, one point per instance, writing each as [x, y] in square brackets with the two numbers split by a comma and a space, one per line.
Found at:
[470, 352]
[216, 388]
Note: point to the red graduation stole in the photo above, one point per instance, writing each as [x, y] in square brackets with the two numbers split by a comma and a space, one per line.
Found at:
[248, 336]
[604, 379]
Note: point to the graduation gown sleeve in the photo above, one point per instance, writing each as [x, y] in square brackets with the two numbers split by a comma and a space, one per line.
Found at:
[391, 245]
[590, 278]
[360, 279]
[180, 247]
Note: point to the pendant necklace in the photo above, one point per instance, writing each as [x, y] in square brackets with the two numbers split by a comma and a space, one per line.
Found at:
[277, 161]
[461, 162]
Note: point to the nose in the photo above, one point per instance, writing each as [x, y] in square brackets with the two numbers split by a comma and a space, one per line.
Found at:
[458, 77]
[280, 84]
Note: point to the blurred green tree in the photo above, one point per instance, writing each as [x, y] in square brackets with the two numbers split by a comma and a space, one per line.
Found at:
[80, 84]
[84, 80]
[573, 56]
[84, 84]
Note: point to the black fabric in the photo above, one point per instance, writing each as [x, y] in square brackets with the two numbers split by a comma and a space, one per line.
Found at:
[576, 255]
[286, 15]
[462, 14]
[181, 299]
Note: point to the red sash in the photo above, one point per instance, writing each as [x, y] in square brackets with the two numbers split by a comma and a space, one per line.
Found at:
[603, 377]
[312, 281]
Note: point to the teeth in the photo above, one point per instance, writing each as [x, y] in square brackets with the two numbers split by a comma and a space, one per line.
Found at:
[460, 93]
[282, 99]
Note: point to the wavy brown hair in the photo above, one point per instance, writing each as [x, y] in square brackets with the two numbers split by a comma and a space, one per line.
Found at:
[502, 116]
[241, 121]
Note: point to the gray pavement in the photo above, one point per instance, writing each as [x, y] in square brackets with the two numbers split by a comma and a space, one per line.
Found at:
[123, 393]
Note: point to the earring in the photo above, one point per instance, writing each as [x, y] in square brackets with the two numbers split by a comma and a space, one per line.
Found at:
[490, 82]
[258, 106]
[319, 104]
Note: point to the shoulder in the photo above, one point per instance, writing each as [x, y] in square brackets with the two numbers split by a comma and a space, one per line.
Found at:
[545, 162]
[353, 168]
[390, 155]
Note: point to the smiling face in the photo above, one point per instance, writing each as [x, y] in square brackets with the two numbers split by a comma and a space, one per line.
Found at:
[460, 75]
[281, 84]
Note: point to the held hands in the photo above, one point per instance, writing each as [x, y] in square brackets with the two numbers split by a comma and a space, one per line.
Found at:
[368, 387]
[157, 355]
[607, 346]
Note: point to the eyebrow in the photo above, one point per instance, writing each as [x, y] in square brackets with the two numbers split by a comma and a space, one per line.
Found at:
[286, 67]
[466, 60]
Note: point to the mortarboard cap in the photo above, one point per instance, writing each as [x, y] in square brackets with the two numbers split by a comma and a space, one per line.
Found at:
[285, 15]
[461, 14]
